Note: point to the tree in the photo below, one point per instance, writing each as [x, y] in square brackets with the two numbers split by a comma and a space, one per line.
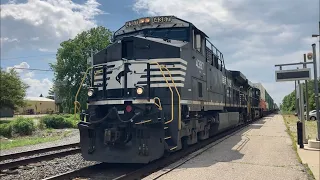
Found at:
[41, 95]
[51, 93]
[12, 90]
[72, 62]
[289, 101]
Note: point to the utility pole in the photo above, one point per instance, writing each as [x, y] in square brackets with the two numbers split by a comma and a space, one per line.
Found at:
[306, 82]
[301, 111]
[298, 102]
[295, 90]
[302, 117]
[318, 35]
[316, 91]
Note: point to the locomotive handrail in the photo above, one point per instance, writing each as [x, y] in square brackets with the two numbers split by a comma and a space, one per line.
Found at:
[179, 98]
[76, 97]
[165, 78]
[158, 105]
[172, 109]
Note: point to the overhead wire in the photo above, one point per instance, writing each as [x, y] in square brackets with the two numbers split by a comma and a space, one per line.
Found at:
[32, 69]
[27, 56]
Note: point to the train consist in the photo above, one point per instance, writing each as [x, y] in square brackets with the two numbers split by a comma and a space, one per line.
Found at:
[159, 87]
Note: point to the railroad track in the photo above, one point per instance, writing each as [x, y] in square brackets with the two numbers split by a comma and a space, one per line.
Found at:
[145, 170]
[28, 157]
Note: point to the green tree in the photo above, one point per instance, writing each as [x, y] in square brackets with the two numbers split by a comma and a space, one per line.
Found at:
[289, 101]
[51, 93]
[12, 90]
[72, 62]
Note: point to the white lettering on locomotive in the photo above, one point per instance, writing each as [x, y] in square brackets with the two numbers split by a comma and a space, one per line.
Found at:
[199, 64]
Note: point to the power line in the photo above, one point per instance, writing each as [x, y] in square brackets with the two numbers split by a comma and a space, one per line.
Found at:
[28, 56]
[32, 69]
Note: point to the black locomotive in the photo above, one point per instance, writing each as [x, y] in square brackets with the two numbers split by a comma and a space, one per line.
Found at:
[159, 87]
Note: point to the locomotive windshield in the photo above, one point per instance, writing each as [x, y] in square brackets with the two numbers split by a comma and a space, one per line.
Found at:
[165, 27]
[180, 34]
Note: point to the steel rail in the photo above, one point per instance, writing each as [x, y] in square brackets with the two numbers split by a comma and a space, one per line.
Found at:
[23, 162]
[37, 151]
[75, 173]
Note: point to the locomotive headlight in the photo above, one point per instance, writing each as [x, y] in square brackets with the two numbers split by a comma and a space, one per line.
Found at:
[139, 90]
[147, 20]
[90, 92]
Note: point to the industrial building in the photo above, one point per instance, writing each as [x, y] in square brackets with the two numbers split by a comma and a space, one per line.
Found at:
[38, 105]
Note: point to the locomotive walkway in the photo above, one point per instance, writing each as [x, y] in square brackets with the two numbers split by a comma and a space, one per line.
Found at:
[263, 150]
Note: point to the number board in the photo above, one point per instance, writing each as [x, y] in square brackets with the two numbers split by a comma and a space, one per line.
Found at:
[146, 21]
[162, 19]
[132, 23]
[293, 75]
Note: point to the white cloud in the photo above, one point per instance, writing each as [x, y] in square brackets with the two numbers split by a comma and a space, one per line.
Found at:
[44, 24]
[18, 67]
[253, 35]
[29, 74]
[44, 50]
[36, 86]
[35, 39]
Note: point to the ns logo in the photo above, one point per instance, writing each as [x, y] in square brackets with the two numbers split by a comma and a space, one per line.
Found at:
[199, 64]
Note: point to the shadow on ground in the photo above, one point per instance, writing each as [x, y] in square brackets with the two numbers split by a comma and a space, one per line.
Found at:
[227, 150]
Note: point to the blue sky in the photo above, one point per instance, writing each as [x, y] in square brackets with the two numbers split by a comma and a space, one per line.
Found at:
[253, 35]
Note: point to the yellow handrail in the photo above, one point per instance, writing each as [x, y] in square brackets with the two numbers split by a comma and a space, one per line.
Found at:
[172, 112]
[179, 99]
[76, 97]
[158, 105]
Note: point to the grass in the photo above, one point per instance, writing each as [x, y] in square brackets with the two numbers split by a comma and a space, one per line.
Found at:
[291, 122]
[10, 137]
[291, 125]
[44, 136]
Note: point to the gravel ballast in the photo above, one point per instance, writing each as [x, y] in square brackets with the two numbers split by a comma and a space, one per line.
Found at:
[46, 169]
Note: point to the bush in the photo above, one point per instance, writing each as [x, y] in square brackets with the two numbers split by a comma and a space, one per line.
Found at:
[6, 130]
[67, 115]
[23, 126]
[41, 125]
[57, 122]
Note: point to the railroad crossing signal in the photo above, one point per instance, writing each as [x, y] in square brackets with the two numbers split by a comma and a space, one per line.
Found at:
[309, 56]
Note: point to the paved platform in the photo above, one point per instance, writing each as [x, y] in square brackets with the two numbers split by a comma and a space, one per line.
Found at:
[312, 158]
[261, 151]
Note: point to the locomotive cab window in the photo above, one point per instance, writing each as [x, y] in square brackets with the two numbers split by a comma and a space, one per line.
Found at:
[198, 42]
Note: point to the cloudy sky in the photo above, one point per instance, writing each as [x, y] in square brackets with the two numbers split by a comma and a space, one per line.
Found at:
[252, 34]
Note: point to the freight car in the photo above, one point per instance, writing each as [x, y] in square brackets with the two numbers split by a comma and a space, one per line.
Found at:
[266, 102]
[159, 87]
